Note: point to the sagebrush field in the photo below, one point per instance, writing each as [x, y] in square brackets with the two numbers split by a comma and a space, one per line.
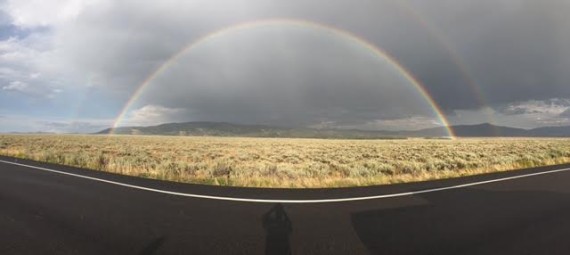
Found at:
[292, 163]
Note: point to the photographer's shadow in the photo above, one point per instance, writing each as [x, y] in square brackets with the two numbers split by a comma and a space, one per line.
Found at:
[278, 229]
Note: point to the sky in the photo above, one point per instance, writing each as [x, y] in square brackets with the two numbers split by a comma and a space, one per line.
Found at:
[79, 65]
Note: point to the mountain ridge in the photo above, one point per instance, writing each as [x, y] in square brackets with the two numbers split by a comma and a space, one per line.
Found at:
[207, 128]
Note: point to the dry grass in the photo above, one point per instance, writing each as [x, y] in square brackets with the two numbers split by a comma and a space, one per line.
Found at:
[293, 163]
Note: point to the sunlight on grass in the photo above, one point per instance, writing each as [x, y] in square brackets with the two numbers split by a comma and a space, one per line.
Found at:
[290, 163]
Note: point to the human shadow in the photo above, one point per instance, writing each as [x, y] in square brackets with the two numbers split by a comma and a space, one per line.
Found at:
[278, 229]
[470, 221]
[153, 246]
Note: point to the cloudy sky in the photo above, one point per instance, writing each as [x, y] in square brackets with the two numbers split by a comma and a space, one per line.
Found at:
[73, 66]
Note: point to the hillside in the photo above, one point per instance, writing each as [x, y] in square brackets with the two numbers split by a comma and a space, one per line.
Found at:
[229, 129]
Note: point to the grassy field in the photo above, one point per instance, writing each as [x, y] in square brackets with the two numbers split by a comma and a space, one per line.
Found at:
[292, 163]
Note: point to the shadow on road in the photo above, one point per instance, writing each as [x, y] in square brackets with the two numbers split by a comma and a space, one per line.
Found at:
[153, 246]
[278, 229]
[470, 221]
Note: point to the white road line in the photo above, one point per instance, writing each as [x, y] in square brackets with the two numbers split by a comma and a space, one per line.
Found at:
[289, 201]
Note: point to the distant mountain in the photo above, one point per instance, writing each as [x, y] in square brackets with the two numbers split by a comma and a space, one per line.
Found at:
[551, 131]
[488, 130]
[229, 129]
[479, 130]
[32, 133]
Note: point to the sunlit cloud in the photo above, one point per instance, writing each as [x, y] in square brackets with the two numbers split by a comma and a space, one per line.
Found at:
[526, 114]
[155, 114]
[553, 106]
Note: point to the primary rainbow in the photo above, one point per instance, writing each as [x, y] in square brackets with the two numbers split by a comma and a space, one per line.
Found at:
[296, 22]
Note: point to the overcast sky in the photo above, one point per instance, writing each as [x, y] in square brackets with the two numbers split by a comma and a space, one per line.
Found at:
[71, 66]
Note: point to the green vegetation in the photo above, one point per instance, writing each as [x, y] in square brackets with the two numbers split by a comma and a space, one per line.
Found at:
[281, 162]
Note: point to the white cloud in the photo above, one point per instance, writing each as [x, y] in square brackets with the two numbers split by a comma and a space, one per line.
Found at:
[565, 114]
[35, 75]
[6, 73]
[34, 13]
[526, 114]
[30, 66]
[37, 91]
[35, 58]
[20, 123]
[154, 114]
[80, 126]
[554, 106]
[21, 53]
[16, 86]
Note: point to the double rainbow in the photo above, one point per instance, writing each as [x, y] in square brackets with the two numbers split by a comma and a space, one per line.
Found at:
[370, 47]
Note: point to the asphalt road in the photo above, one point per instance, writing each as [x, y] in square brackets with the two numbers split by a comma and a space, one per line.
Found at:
[44, 212]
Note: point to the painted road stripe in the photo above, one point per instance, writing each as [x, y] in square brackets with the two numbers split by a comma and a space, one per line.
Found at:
[289, 201]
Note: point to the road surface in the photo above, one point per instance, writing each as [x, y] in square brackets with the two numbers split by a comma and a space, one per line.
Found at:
[51, 209]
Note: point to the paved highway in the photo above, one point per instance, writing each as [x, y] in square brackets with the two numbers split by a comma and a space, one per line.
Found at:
[51, 209]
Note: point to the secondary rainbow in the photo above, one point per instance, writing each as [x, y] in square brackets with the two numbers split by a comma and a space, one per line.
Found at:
[296, 22]
[441, 37]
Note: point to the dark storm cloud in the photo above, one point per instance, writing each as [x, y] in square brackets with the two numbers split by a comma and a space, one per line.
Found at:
[511, 50]
[287, 75]
[402, 31]
[468, 54]
[516, 50]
